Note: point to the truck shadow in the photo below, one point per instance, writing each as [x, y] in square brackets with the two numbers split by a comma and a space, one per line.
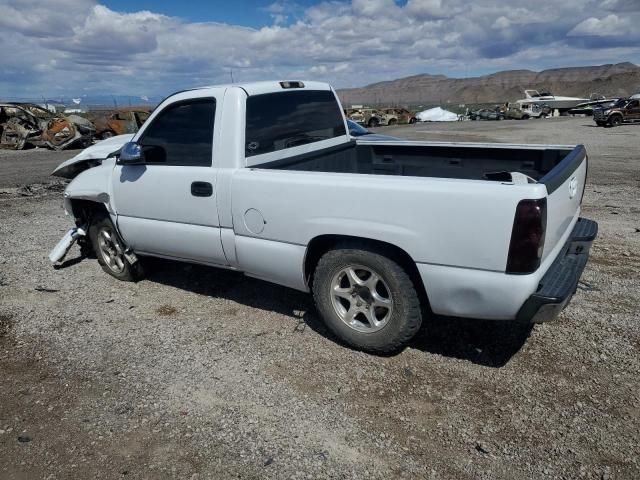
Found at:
[486, 343]
[490, 343]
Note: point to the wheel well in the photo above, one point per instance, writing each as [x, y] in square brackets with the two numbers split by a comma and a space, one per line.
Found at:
[320, 245]
[85, 210]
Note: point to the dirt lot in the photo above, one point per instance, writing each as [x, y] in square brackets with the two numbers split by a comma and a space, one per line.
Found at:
[200, 373]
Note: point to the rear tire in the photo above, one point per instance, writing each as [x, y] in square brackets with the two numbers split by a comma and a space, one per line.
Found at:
[366, 299]
[373, 122]
[109, 249]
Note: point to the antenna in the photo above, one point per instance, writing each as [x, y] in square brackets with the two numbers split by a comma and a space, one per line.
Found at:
[231, 73]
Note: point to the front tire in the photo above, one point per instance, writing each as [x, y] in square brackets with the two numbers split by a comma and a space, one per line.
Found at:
[366, 299]
[109, 250]
[615, 121]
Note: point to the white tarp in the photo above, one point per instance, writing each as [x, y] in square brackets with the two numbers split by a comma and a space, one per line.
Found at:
[436, 115]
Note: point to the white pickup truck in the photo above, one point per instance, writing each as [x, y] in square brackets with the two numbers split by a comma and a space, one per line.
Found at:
[264, 178]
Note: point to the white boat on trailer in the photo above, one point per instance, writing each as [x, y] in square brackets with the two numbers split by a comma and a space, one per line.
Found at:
[554, 102]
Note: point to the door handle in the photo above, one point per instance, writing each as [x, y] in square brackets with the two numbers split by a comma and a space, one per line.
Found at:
[201, 189]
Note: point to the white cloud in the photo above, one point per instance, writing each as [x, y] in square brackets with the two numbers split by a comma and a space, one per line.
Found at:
[611, 25]
[71, 45]
[431, 9]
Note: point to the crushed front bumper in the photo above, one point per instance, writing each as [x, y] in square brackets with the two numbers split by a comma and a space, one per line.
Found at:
[561, 280]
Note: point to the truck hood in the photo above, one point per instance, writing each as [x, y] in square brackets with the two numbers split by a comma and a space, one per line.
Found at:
[90, 157]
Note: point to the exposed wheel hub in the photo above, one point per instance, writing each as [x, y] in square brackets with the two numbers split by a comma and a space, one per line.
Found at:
[361, 298]
[111, 251]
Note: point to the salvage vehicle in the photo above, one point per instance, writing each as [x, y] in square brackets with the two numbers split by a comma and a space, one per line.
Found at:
[486, 114]
[263, 178]
[399, 116]
[25, 124]
[625, 110]
[118, 122]
[372, 117]
[535, 110]
[516, 114]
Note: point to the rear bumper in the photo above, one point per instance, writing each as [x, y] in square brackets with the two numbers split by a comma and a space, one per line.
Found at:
[561, 280]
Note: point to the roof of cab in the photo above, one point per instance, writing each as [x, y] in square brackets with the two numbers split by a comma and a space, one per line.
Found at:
[271, 86]
[250, 88]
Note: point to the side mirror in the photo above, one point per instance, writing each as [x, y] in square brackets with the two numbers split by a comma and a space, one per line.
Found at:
[131, 154]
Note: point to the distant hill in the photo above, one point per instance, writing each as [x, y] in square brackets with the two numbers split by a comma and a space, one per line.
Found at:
[612, 80]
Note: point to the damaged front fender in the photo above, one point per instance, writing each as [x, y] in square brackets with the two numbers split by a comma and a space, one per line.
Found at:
[91, 157]
[93, 185]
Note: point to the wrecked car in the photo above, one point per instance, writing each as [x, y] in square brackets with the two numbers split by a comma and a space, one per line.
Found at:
[516, 114]
[23, 125]
[118, 122]
[400, 115]
[376, 117]
[364, 116]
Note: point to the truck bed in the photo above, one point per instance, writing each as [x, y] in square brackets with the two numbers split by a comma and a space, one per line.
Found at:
[417, 159]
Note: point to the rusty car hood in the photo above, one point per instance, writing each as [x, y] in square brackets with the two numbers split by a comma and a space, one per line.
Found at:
[91, 156]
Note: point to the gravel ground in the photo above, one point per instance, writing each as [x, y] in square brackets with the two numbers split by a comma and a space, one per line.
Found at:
[202, 373]
[30, 166]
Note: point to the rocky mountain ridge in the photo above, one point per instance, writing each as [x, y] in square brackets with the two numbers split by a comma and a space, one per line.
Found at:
[612, 80]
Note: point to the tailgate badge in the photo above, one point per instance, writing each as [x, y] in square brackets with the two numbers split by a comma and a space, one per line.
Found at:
[573, 187]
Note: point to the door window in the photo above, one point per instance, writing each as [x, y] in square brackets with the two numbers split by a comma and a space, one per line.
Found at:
[276, 121]
[182, 134]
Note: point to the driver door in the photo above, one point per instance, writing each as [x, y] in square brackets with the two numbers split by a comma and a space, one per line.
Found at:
[166, 206]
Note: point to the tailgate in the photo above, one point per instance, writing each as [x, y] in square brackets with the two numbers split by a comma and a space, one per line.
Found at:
[565, 186]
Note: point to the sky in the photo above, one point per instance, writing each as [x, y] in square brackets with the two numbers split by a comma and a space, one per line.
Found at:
[148, 48]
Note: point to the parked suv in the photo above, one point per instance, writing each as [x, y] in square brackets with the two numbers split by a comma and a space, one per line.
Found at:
[625, 110]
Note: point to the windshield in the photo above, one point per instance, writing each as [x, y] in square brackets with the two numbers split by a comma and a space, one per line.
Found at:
[620, 103]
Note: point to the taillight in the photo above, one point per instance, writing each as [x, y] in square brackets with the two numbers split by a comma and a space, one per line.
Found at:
[527, 237]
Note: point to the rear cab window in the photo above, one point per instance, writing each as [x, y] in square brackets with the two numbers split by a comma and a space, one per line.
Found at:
[283, 120]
